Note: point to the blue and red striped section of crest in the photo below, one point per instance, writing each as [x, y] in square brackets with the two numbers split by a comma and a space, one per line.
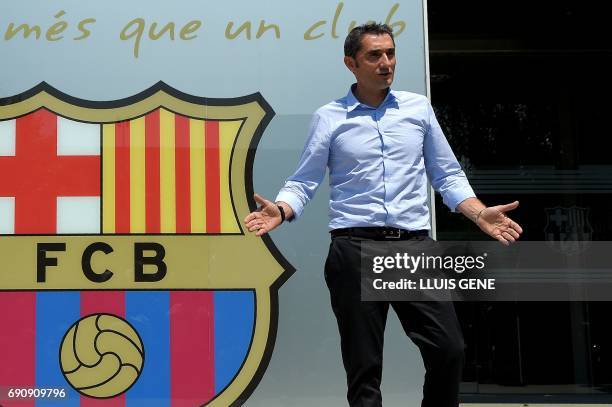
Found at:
[195, 341]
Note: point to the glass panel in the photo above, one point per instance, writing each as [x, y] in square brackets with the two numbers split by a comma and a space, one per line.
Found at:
[523, 100]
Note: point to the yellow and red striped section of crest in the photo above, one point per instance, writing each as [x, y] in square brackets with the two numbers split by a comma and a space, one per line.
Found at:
[167, 173]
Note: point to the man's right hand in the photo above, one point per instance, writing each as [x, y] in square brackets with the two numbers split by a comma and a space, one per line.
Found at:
[265, 219]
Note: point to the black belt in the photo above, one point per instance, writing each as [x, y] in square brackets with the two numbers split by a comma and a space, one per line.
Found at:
[379, 233]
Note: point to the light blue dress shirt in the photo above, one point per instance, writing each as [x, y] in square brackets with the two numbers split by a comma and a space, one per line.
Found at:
[378, 160]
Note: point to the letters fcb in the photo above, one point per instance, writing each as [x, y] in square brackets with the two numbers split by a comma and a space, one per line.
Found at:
[140, 260]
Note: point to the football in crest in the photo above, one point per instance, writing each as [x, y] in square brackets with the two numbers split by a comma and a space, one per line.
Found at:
[101, 355]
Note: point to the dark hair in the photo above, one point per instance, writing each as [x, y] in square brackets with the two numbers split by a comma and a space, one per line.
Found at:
[352, 44]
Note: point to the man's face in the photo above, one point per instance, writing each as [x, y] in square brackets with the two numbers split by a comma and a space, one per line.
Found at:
[374, 64]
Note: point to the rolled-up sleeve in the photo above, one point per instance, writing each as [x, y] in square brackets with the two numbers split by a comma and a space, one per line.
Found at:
[300, 188]
[443, 169]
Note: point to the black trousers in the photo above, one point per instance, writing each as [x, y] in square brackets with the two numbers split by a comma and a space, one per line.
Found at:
[432, 326]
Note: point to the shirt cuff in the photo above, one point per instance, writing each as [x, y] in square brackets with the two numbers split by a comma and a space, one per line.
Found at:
[293, 201]
[454, 197]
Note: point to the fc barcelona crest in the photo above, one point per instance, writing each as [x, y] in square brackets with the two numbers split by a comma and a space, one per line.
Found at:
[125, 275]
[568, 230]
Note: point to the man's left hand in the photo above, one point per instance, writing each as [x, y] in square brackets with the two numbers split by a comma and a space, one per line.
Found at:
[494, 222]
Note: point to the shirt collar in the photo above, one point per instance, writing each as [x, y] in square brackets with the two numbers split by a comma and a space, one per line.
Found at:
[352, 103]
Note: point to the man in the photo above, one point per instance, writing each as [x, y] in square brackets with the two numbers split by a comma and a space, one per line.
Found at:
[379, 145]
